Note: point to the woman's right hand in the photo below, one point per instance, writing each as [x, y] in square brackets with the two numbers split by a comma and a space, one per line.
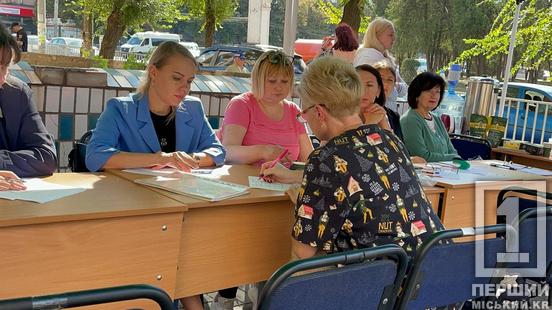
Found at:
[178, 160]
[9, 181]
[280, 174]
[373, 114]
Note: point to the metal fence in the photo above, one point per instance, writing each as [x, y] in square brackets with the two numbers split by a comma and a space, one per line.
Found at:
[123, 56]
[528, 120]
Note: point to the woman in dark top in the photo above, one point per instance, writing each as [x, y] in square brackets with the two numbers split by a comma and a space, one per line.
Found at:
[374, 97]
[360, 189]
[26, 147]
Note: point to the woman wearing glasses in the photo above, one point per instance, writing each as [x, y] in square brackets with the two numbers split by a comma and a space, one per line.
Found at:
[360, 189]
[260, 124]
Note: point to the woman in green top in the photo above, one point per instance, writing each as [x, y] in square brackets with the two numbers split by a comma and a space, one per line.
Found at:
[424, 133]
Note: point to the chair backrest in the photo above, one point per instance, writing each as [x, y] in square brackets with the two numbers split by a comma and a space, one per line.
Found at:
[529, 222]
[360, 284]
[469, 147]
[77, 156]
[444, 274]
[90, 297]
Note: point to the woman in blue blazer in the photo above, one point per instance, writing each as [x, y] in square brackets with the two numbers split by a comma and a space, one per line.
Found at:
[160, 125]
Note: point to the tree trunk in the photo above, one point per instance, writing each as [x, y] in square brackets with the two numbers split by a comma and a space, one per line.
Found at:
[209, 23]
[86, 50]
[113, 33]
[352, 12]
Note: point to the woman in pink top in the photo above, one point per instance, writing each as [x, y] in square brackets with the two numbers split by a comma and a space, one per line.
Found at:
[260, 124]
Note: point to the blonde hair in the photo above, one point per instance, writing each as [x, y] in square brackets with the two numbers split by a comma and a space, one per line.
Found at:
[386, 65]
[334, 83]
[271, 63]
[159, 58]
[375, 29]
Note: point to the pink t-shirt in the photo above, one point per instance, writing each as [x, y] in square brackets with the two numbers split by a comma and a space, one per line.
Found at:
[243, 110]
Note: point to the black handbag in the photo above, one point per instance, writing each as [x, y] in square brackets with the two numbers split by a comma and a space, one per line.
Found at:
[77, 156]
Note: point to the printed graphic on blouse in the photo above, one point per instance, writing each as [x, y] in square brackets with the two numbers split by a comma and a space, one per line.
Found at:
[360, 190]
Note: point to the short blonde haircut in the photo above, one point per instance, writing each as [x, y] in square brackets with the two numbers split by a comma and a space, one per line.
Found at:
[375, 29]
[158, 59]
[386, 65]
[271, 63]
[334, 83]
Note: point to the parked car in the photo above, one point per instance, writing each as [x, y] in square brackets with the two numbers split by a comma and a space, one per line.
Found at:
[527, 111]
[192, 47]
[144, 42]
[218, 57]
[423, 65]
[66, 46]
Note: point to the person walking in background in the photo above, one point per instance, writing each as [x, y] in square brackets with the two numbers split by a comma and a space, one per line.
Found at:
[378, 41]
[238, 65]
[21, 36]
[345, 46]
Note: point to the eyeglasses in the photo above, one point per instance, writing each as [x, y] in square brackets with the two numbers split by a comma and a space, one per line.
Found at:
[276, 57]
[299, 115]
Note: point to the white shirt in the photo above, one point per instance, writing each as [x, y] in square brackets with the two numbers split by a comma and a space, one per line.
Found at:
[431, 123]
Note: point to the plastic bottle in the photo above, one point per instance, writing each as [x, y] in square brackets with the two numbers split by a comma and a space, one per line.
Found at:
[452, 104]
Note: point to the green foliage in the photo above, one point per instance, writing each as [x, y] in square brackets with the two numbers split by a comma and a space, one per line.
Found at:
[100, 62]
[333, 13]
[409, 69]
[133, 64]
[533, 47]
[134, 14]
[436, 29]
[223, 10]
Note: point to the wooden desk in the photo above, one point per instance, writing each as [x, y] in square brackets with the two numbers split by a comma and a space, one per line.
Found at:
[120, 233]
[236, 241]
[115, 233]
[521, 157]
[460, 194]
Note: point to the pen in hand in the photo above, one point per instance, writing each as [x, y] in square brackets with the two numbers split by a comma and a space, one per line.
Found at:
[275, 161]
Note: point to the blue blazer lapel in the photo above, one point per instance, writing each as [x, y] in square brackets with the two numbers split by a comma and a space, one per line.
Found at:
[145, 124]
[184, 132]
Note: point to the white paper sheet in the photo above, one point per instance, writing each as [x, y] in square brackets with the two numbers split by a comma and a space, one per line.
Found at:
[255, 182]
[532, 170]
[41, 191]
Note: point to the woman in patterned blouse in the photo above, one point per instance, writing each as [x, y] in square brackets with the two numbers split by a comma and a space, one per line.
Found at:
[360, 189]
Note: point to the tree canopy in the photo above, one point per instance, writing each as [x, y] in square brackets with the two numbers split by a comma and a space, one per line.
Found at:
[119, 16]
[533, 47]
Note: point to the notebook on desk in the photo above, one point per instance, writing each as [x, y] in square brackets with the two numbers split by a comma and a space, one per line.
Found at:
[196, 186]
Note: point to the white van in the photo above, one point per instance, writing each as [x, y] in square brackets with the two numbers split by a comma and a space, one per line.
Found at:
[192, 47]
[143, 42]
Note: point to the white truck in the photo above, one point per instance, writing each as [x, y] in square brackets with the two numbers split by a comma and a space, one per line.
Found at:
[143, 42]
